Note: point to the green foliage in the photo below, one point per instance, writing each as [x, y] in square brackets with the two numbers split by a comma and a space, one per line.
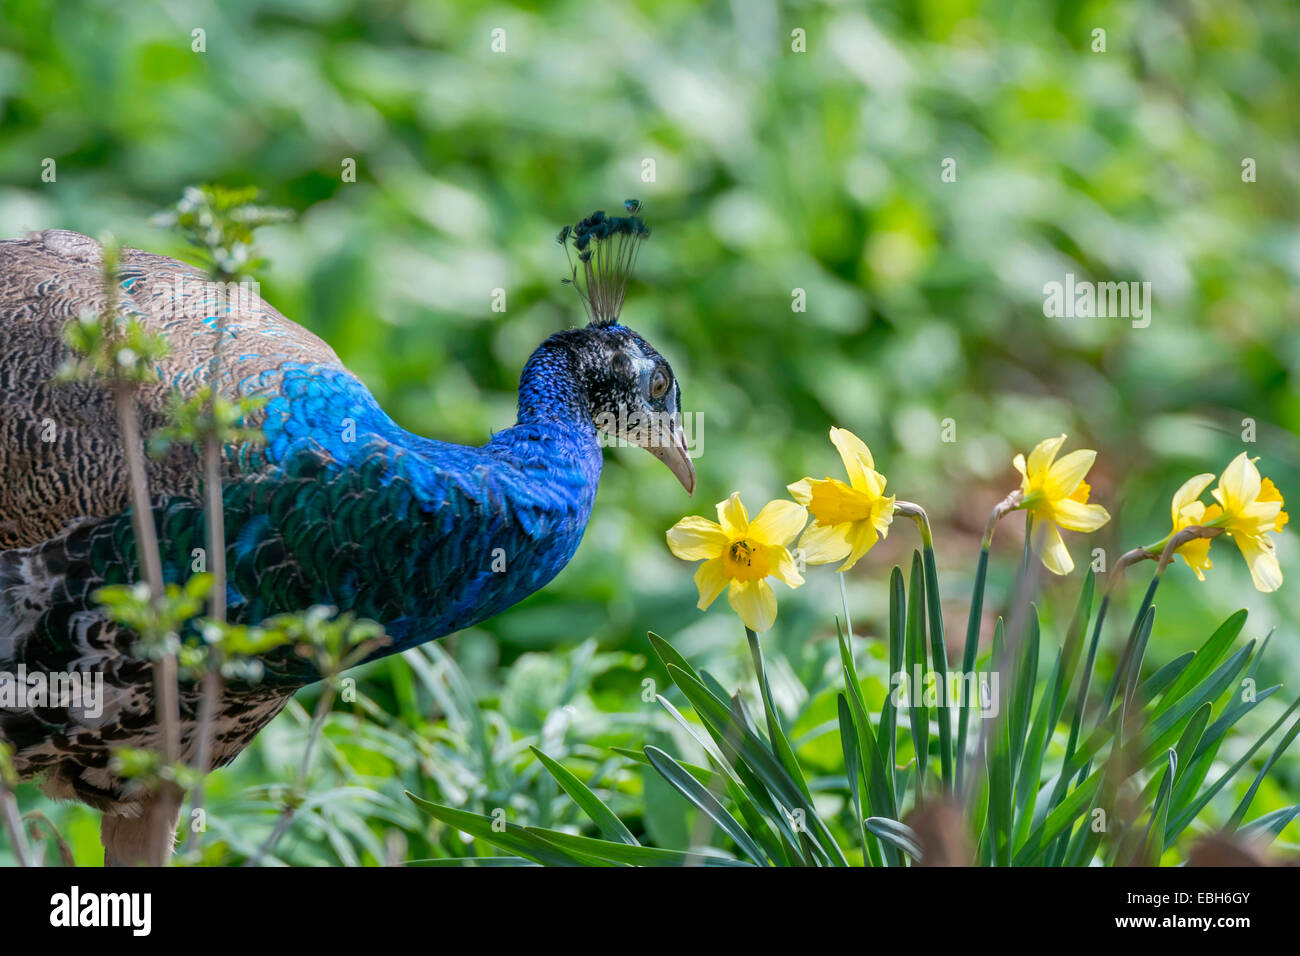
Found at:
[775, 171]
[219, 223]
[766, 815]
[201, 417]
[121, 355]
[8, 776]
[108, 348]
[158, 623]
[333, 642]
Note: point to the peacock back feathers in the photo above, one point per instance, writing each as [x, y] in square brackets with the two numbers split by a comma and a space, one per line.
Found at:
[339, 505]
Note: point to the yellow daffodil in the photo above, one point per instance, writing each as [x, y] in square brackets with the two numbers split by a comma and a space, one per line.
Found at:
[1252, 508]
[1056, 496]
[847, 519]
[743, 554]
[1188, 510]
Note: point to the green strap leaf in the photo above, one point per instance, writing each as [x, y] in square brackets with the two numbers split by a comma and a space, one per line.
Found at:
[1244, 806]
[898, 835]
[513, 839]
[704, 801]
[918, 713]
[591, 805]
[775, 732]
[743, 747]
[1182, 821]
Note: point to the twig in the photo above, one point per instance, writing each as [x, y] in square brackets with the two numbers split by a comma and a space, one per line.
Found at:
[65, 851]
[14, 826]
[290, 809]
[166, 692]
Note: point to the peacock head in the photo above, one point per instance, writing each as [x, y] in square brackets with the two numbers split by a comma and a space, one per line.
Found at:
[629, 389]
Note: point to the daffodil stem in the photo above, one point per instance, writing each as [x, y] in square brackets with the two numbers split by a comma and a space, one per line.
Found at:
[938, 645]
[844, 600]
[1080, 705]
[1130, 660]
[1130, 663]
[969, 653]
[1183, 537]
[973, 620]
[1126, 560]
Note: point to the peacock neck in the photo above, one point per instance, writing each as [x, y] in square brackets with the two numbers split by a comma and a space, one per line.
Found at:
[438, 536]
[551, 390]
[554, 414]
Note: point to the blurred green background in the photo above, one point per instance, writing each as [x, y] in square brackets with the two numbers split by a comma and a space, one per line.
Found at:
[774, 170]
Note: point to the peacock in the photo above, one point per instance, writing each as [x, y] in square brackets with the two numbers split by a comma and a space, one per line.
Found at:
[337, 505]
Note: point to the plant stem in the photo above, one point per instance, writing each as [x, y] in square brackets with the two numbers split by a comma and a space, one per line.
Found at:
[211, 684]
[844, 600]
[14, 826]
[938, 644]
[290, 809]
[1130, 663]
[60, 842]
[166, 692]
[209, 695]
[1076, 724]
[973, 621]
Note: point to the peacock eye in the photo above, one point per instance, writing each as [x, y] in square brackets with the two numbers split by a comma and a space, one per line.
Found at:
[659, 383]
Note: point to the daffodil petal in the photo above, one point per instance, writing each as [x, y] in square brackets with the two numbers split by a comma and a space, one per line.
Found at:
[1072, 516]
[1261, 558]
[1197, 555]
[1065, 474]
[882, 515]
[855, 454]
[1044, 453]
[822, 544]
[1051, 550]
[733, 517]
[862, 537]
[695, 538]
[784, 567]
[1239, 485]
[1188, 493]
[710, 578]
[801, 491]
[778, 523]
[755, 602]
[873, 483]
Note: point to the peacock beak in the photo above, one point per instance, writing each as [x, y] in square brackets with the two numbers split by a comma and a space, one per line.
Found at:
[676, 456]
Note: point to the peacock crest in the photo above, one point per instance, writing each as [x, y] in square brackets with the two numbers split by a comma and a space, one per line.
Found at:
[606, 250]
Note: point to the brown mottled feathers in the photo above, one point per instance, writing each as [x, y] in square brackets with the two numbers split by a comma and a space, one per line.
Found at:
[60, 448]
